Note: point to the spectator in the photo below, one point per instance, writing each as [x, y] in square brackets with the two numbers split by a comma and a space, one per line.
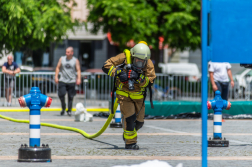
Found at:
[67, 65]
[219, 74]
[10, 68]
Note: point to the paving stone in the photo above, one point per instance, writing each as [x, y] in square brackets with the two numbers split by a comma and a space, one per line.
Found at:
[172, 144]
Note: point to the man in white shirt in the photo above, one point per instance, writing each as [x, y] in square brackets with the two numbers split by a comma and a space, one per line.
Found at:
[219, 74]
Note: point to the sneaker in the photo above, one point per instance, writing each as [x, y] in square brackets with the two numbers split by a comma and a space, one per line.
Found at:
[132, 146]
[62, 112]
[69, 113]
[8, 104]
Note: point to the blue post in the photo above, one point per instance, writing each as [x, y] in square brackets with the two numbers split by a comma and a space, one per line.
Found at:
[218, 104]
[118, 116]
[204, 80]
[35, 101]
[217, 124]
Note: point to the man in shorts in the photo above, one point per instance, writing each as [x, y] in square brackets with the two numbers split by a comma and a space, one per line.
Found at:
[10, 69]
[68, 66]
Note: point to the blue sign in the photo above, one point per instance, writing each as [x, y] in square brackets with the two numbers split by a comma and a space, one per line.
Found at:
[226, 35]
[230, 31]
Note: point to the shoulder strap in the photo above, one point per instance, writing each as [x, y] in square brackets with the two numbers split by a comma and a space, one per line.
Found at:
[145, 94]
[113, 96]
[151, 102]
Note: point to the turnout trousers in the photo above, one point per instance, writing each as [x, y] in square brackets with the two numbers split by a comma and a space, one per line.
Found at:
[132, 111]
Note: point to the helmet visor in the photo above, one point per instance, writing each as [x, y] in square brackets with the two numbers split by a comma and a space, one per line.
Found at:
[139, 63]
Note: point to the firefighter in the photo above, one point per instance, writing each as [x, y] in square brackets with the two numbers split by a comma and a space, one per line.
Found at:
[131, 97]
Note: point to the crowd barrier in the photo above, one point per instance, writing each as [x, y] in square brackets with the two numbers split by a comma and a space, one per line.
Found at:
[96, 90]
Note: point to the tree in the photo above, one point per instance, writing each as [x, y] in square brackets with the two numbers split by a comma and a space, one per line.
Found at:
[34, 24]
[177, 21]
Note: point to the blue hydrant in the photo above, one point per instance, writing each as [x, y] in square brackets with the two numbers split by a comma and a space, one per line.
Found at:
[218, 104]
[35, 101]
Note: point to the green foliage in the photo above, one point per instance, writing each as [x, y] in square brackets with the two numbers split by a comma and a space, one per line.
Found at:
[178, 21]
[34, 24]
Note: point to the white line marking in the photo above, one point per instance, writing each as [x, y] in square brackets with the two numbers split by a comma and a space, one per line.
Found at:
[169, 130]
[238, 142]
[180, 158]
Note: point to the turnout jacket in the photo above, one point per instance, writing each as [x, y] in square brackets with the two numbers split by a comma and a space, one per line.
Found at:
[113, 63]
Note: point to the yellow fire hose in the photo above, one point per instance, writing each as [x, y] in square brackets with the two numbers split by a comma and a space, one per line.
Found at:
[71, 128]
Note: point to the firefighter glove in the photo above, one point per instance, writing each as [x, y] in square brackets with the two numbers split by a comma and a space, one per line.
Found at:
[121, 74]
[141, 78]
[133, 74]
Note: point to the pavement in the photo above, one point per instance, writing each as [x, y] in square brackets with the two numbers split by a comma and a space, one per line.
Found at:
[173, 141]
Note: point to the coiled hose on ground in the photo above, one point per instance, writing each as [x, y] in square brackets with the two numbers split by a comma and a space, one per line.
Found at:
[71, 128]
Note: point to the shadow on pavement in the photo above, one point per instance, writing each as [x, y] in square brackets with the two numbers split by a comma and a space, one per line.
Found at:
[241, 145]
[115, 147]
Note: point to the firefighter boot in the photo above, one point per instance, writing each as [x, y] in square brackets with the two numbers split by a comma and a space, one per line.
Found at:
[133, 146]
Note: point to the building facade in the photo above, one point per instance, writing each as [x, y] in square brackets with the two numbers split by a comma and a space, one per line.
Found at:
[91, 49]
